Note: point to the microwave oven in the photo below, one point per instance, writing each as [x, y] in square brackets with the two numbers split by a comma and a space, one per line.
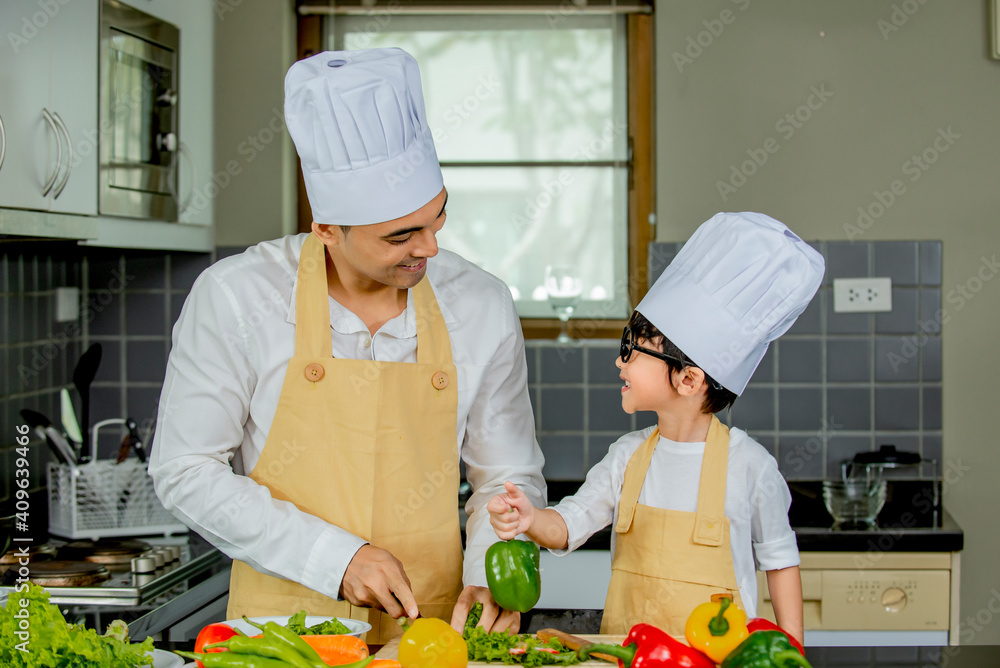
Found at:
[139, 137]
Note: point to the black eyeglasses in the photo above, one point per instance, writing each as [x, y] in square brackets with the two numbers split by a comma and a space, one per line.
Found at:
[629, 344]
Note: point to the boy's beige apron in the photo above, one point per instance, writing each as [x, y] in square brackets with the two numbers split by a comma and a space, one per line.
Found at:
[667, 562]
[367, 446]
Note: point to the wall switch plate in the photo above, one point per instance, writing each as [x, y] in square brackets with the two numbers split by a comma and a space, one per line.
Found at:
[862, 295]
[67, 304]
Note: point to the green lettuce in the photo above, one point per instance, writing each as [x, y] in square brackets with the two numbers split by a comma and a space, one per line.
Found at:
[34, 634]
[297, 625]
[496, 646]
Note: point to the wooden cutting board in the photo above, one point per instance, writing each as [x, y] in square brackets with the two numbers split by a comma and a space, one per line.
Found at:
[391, 651]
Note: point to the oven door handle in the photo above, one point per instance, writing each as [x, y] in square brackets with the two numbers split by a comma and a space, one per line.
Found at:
[3, 142]
[69, 163]
[55, 131]
[174, 178]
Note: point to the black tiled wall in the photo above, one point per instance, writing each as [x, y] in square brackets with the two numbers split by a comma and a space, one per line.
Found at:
[834, 385]
[128, 303]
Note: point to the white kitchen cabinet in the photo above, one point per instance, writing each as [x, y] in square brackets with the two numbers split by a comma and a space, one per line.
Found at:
[73, 95]
[49, 91]
[40, 127]
[49, 101]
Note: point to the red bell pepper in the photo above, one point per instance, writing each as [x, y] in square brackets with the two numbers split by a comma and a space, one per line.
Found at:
[648, 647]
[761, 624]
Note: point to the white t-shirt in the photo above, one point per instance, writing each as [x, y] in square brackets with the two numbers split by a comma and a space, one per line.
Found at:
[757, 501]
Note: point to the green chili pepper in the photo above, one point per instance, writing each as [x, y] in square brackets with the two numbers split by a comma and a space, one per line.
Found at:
[234, 660]
[765, 649]
[512, 574]
[284, 636]
[265, 646]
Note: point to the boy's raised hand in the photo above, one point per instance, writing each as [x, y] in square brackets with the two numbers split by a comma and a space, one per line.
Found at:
[511, 513]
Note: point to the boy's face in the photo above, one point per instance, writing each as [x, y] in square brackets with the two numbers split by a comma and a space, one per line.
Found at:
[647, 380]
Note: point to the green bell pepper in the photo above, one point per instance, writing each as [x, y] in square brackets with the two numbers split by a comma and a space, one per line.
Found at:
[512, 574]
[765, 649]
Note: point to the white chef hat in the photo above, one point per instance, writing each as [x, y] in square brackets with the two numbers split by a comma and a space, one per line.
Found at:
[738, 283]
[359, 125]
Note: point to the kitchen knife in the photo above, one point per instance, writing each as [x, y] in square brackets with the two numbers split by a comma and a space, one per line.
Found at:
[56, 442]
[83, 376]
[572, 642]
[70, 425]
[137, 445]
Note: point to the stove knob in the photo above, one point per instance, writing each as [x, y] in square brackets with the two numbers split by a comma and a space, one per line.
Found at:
[156, 557]
[175, 552]
[143, 565]
[893, 599]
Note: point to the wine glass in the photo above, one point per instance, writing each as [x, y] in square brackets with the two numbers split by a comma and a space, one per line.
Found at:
[564, 286]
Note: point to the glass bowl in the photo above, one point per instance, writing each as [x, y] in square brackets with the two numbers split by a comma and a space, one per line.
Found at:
[854, 500]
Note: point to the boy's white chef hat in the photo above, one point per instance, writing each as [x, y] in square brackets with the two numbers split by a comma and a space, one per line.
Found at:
[738, 283]
[359, 125]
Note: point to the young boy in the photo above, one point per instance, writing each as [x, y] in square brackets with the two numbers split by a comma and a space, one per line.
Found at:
[696, 507]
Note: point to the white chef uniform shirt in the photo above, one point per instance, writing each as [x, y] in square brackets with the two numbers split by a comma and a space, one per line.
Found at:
[231, 346]
[757, 501]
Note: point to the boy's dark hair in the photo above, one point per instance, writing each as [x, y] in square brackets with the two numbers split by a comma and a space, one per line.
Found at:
[717, 398]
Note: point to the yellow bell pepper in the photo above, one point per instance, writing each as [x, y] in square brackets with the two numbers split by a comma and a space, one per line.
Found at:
[432, 643]
[717, 627]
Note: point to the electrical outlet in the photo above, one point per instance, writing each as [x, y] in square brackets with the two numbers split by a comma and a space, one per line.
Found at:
[67, 304]
[862, 295]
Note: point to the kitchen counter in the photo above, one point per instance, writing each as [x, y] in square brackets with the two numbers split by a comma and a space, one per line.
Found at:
[907, 523]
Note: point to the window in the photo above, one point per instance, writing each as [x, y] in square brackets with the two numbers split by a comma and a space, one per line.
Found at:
[530, 113]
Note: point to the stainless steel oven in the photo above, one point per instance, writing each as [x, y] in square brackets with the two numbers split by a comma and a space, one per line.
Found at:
[138, 138]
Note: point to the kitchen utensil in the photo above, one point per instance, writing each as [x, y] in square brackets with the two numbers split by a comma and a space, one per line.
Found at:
[873, 465]
[855, 501]
[57, 443]
[83, 376]
[124, 449]
[69, 423]
[6, 533]
[137, 443]
[571, 642]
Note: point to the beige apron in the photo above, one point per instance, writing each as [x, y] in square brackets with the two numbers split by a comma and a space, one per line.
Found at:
[367, 446]
[667, 562]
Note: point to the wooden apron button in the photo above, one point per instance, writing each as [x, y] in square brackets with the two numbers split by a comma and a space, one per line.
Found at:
[315, 371]
[439, 380]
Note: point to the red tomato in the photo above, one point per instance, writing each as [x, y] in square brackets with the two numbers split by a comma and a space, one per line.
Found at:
[212, 633]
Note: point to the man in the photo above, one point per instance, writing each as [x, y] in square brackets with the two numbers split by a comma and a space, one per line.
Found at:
[333, 480]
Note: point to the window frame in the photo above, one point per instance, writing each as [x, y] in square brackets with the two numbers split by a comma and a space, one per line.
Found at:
[641, 177]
